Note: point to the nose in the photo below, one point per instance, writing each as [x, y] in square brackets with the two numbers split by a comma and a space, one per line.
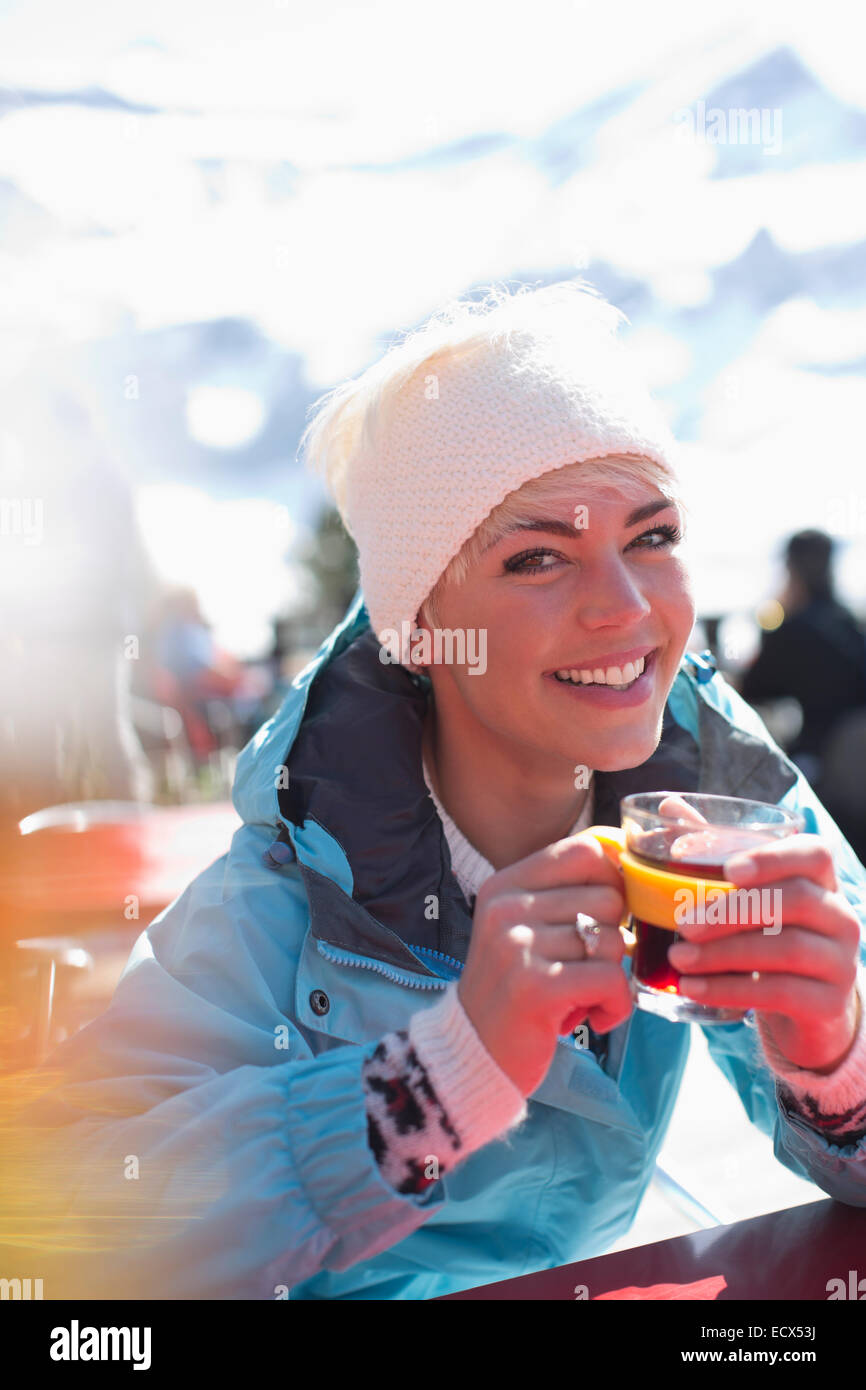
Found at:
[610, 596]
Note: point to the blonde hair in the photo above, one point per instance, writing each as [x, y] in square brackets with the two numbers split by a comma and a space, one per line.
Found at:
[558, 488]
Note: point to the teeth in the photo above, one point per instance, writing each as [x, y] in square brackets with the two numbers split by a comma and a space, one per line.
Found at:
[618, 677]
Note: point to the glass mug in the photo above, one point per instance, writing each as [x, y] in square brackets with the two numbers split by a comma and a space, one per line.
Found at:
[671, 849]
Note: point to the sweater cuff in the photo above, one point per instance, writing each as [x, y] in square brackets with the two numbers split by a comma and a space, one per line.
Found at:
[835, 1092]
[480, 1100]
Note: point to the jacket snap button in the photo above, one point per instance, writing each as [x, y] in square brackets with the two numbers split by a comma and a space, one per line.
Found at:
[319, 1001]
[278, 853]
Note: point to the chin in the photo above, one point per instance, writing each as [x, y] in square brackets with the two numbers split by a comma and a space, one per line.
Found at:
[635, 753]
[619, 764]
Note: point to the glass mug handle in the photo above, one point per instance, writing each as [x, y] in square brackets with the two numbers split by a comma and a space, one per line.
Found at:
[612, 840]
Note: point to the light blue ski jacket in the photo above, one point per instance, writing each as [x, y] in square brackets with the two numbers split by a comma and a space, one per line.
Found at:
[209, 1129]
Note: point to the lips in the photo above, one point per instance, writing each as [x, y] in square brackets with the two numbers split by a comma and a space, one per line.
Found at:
[593, 663]
[608, 697]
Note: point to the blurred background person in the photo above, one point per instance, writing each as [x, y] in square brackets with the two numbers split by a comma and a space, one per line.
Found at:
[219, 699]
[817, 654]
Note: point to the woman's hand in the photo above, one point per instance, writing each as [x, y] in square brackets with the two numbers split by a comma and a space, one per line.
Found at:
[806, 995]
[527, 979]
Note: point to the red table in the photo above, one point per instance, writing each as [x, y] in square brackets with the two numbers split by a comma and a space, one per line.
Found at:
[789, 1254]
[78, 883]
[88, 858]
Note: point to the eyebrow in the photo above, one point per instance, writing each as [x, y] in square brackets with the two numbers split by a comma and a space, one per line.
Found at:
[562, 528]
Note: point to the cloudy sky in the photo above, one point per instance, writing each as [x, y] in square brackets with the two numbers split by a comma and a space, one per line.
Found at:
[331, 173]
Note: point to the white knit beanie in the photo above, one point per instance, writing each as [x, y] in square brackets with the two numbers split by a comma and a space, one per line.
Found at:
[470, 426]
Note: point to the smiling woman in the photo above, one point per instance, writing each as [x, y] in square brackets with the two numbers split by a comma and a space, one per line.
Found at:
[568, 622]
[344, 1057]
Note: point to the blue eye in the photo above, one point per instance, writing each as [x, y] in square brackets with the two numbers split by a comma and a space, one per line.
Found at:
[519, 564]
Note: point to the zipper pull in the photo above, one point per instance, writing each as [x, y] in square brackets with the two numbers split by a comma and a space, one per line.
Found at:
[282, 851]
[705, 665]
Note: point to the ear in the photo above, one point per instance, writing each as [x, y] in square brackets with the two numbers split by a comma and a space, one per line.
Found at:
[423, 622]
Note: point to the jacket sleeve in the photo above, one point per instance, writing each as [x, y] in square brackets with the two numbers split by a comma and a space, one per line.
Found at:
[187, 1143]
[836, 1166]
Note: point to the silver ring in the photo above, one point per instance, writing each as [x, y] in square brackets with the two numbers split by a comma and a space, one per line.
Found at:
[589, 932]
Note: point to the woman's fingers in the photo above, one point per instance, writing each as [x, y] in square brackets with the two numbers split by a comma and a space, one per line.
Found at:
[527, 968]
[567, 863]
[671, 805]
[565, 943]
[675, 806]
[795, 856]
[554, 906]
[590, 985]
[792, 996]
[795, 952]
[771, 910]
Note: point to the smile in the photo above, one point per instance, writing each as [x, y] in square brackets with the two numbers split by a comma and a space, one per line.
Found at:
[619, 677]
[616, 685]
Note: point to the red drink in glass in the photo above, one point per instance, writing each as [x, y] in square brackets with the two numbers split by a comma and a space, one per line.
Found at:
[689, 835]
[650, 961]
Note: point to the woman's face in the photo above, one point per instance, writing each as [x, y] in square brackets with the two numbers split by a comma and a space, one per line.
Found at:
[557, 598]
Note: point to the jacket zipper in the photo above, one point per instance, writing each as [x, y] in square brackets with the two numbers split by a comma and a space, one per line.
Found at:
[440, 955]
[565, 1039]
[400, 977]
